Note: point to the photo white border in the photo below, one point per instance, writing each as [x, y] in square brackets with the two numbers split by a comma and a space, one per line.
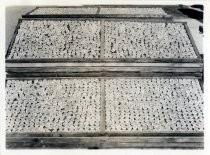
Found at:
[5, 3]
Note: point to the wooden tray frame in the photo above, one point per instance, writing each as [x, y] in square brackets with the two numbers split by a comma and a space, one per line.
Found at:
[97, 14]
[135, 60]
[103, 139]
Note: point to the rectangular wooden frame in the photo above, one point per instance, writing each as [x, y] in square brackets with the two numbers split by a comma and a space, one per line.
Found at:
[135, 60]
[103, 139]
[97, 14]
[104, 142]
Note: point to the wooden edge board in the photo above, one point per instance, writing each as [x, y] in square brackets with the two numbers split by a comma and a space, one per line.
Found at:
[170, 139]
[101, 60]
[106, 19]
[105, 142]
[201, 84]
[105, 5]
[106, 68]
[97, 64]
[129, 6]
[113, 134]
[97, 15]
[106, 71]
[178, 75]
[69, 6]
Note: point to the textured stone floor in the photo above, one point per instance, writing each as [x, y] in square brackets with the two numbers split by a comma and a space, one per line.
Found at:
[131, 105]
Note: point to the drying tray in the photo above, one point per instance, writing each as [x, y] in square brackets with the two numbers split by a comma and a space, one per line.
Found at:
[101, 34]
[102, 136]
[97, 12]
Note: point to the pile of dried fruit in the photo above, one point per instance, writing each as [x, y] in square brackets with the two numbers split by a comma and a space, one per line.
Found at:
[131, 104]
[155, 105]
[57, 39]
[53, 11]
[127, 39]
[66, 105]
[143, 12]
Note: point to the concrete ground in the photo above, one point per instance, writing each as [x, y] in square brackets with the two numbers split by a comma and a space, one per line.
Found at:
[13, 13]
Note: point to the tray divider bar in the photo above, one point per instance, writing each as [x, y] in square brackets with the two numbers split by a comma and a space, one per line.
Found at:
[103, 110]
[98, 10]
[102, 31]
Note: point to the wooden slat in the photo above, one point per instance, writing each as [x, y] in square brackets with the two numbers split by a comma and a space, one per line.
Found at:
[125, 16]
[76, 64]
[105, 142]
[201, 84]
[102, 69]
[128, 6]
[90, 60]
[103, 103]
[100, 19]
[47, 75]
[112, 139]
[109, 134]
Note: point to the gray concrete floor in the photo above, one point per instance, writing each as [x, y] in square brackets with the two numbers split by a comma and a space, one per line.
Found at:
[13, 13]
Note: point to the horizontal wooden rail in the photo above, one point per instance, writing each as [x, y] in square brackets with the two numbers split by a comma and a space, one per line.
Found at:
[98, 142]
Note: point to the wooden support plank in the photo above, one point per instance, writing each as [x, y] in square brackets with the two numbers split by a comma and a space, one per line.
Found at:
[86, 60]
[99, 19]
[127, 6]
[37, 75]
[103, 69]
[125, 16]
[105, 142]
[108, 134]
[111, 64]
[113, 139]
